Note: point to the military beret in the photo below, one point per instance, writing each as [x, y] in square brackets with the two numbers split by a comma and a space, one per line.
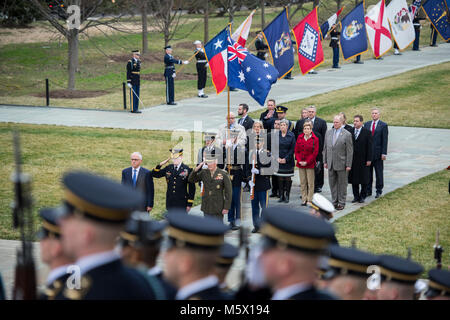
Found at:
[50, 225]
[168, 47]
[141, 229]
[227, 254]
[399, 269]
[99, 198]
[322, 204]
[281, 109]
[195, 232]
[175, 153]
[351, 261]
[439, 283]
[295, 229]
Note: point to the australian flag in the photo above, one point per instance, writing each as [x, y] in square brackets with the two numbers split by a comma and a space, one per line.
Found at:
[439, 15]
[278, 37]
[247, 72]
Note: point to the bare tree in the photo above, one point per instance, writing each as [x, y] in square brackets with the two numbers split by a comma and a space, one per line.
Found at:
[143, 6]
[71, 23]
[229, 6]
[206, 23]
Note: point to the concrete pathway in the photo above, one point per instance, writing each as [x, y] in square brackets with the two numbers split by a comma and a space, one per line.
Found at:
[206, 114]
[412, 154]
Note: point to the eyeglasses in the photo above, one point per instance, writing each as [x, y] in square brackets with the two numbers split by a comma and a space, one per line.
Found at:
[135, 159]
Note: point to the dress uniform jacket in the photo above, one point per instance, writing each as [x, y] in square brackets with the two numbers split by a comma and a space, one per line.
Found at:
[54, 290]
[261, 47]
[262, 180]
[133, 72]
[334, 43]
[111, 281]
[201, 68]
[312, 294]
[362, 152]
[180, 193]
[169, 62]
[217, 190]
[212, 293]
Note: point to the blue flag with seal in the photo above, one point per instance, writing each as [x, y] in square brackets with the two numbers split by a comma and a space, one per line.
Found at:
[353, 38]
[438, 13]
[278, 37]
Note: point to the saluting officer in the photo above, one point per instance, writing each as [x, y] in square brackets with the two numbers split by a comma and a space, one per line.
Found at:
[180, 193]
[169, 74]
[134, 80]
[260, 46]
[202, 65]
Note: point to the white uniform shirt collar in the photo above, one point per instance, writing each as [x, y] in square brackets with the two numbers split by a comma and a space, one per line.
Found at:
[95, 260]
[196, 286]
[155, 271]
[287, 292]
[56, 273]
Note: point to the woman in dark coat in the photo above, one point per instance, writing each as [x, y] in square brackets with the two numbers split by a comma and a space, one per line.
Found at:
[362, 156]
[285, 161]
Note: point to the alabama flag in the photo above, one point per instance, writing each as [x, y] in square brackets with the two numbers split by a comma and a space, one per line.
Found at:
[241, 34]
[216, 51]
[378, 29]
[309, 45]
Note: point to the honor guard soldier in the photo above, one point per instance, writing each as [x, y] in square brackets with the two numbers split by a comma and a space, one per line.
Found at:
[134, 80]
[398, 276]
[202, 65]
[334, 43]
[438, 285]
[169, 74]
[347, 272]
[140, 245]
[192, 251]
[52, 254]
[260, 46]
[322, 208]
[217, 193]
[228, 253]
[180, 193]
[292, 243]
[95, 211]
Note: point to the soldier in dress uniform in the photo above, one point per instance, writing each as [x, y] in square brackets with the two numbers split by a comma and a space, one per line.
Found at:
[281, 112]
[169, 74]
[292, 243]
[52, 254]
[180, 193]
[334, 43]
[217, 193]
[438, 285]
[398, 276]
[202, 68]
[134, 80]
[261, 47]
[140, 245]
[94, 212]
[193, 246]
[347, 272]
[228, 253]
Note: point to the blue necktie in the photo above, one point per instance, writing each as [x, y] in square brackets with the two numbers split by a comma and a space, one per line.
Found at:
[134, 177]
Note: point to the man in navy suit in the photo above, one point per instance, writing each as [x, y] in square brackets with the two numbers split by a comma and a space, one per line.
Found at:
[379, 131]
[246, 121]
[140, 178]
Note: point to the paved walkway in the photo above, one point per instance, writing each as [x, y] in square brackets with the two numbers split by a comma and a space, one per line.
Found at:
[191, 114]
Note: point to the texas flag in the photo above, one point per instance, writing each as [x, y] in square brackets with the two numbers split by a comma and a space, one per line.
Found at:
[326, 26]
[309, 45]
[377, 27]
[216, 51]
[241, 34]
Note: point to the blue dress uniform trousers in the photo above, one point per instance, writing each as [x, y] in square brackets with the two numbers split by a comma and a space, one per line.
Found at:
[259, 202]
[169, 72]
[235, 211]
[135, 97]
[133, 78]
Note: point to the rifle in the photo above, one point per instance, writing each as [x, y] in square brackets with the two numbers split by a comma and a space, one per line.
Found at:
[25, 271]
[438, 252]
[252, 189]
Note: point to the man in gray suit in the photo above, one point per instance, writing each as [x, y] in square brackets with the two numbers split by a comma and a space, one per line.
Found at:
[338, 156]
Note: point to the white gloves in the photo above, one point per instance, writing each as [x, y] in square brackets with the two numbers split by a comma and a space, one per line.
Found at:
[243, 184]
[174, 75]
[185, 62]
[206, 65]
[251, 184]
[129, 85]
[205, 166]
[255, 171]
[229, 144]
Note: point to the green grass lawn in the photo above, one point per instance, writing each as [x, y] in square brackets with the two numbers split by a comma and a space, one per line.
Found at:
[24, 67]
[418, 98]
[407, 217]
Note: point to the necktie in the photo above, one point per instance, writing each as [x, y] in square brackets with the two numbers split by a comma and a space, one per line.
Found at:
[335, 137]
[356, 133]
[134, 177]
[373, 128]
[241, 120]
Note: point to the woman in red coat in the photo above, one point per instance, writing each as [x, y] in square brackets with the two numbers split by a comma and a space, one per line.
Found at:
[306, 150]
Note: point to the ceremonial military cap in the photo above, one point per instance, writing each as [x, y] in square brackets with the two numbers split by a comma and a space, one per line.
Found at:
[322, 204]
[99, 198]
[281, 109]
[439, 283]
[295, 229]
[399, 269]
[136, 52]
[348, 261]
[197, 42]
[196, 232]
[168, 47]
[141, 229]
[227, 254]
[50, 226]
[175, 153]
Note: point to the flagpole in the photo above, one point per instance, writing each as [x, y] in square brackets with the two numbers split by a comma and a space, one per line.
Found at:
[192, 57]
[228, 129]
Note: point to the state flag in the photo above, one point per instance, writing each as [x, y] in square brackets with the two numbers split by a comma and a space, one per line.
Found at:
[216, 51]
[326, 26]
[401, 23]
[241, 33]
[438, 13]
[378, 29]
[353, 38]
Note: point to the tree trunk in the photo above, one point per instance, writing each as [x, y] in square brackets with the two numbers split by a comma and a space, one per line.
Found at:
[262, 14]
[338, 2]
[316, 3]
[72, 39]
[205, 23]
[144, 27]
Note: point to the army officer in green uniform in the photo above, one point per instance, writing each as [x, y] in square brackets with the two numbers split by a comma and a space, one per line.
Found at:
[216, 200]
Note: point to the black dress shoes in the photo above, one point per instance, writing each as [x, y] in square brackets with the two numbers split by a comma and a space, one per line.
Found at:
[233, 226]
[318, 190]
[339, 207]
[378, 195]
[361, 200]
[304, 204]
[355, 200]
[203, 96]
[255, 230]
[171, 104]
